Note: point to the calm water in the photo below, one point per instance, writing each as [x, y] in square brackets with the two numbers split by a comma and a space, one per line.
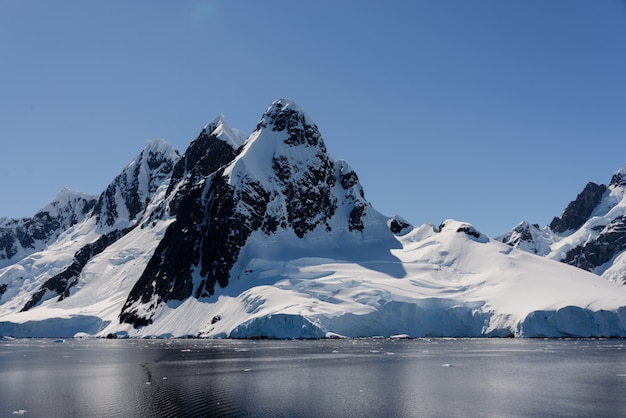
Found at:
[359, 378]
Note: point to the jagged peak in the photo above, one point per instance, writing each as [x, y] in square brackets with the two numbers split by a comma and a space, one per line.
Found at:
[619, 178]
[219, 128]
[68, 193]
[578, 211]
[128, 194]
[160, 146]
[285, 103]
[285, 114]
[522, 232]
[215, 122]
[525, 226]
[154, 148]
[65, 198]
[214, 147]
[284, 131]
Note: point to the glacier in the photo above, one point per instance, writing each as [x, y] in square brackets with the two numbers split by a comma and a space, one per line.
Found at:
[267, 236]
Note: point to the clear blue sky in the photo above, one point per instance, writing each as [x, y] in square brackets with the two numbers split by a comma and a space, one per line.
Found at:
[491, 112]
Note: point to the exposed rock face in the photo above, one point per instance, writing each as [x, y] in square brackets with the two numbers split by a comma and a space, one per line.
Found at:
[578, 211]
[216, 145]
[590, 234]
[270, 237]
[521, 233]
[116, 213]
[467, 229]
[282, 179]
[595, 253]
[60, 284]
[529, 237]
[125, 199]
[619, 178]
[197, 220]
[399, 226]
[25, 236]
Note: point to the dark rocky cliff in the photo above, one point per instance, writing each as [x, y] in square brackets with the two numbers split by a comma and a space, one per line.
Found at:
[281, 179]
[578, 211]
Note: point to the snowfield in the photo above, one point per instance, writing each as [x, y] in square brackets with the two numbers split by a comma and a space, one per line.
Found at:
[590, 233]
[270, 237]
[454, 282]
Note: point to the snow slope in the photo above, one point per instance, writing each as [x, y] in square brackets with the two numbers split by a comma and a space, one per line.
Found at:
[22, 237]
[34, 285]
[311, 259]
[590, 233]
[447, 283]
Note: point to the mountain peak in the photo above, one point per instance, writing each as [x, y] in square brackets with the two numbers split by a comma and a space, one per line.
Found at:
[21, 237]
[579, 210]
[285, 132]
[128, 195]
[215, 146]
[67, 193]
[159, 145]
[281, 183]
[285, 114]
[528, 237]
[285, 103]
[219, 128]
[66, 198]
[619, 178]
[273, 238]
[590, 233]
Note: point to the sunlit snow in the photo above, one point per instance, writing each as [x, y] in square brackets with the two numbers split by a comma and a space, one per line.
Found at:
[448, 280]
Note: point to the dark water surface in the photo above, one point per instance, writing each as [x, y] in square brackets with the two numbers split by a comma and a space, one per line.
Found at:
[326, 378]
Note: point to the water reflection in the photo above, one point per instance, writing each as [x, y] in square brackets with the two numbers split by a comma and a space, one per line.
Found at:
[439, 377]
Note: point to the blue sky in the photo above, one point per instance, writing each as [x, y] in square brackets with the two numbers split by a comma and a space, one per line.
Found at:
[490, 112]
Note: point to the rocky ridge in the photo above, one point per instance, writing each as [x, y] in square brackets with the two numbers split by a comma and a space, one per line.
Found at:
[269, 236]
[22, 237]
[281, 180]
[589, 234]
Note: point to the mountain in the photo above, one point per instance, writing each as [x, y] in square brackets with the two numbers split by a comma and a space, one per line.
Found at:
[53, 272]
[590, 233]
[269, 236]
[279, 184]
[22, 237]
[130, 193]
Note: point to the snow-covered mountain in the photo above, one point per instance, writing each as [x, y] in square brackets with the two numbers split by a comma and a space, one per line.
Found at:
[128, 195]
[22, 237]
[281, 183]
[590, 233]
[55, 270]
[269, 236]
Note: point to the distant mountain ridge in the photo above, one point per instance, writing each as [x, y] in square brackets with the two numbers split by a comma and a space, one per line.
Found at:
[22, 237]
[267, 235]
[589, 234]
